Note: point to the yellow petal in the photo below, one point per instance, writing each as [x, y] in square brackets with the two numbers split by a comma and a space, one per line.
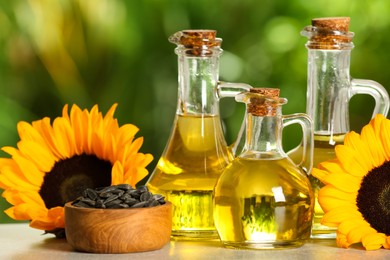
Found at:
[43, 223]
[346, 226]
[320, 174]
[373, 241]
[356, 234]
[28, 133]
[12, 196]
[343, 182]
[385, 137]
[387, 243]
[38, 154]
[13, 179]
[340, 214]
[351, 161]
[330, 197]
[46, 130]
[361, 148]
[342, 241]
[53, 219]
[29, 170]
[79, 123]
[57, 214]
[117, 174]
[375, 146]
[61, 138]
[18, 212]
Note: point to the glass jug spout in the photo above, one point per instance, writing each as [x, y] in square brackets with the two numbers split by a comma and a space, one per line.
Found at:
[228, 89]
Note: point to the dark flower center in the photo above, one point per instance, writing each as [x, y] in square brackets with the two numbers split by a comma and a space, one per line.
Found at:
[373, 198]
[70, 177]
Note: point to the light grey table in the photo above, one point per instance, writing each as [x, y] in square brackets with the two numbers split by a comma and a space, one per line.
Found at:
[19, 241]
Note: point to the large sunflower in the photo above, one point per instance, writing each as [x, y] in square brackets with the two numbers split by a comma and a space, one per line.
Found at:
[53, 164]
[356, 195]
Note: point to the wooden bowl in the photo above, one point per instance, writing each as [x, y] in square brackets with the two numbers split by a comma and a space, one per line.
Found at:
[118, 230]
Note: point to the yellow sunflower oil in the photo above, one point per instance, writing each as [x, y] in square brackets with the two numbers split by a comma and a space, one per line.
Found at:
[324, 149]
[263, 204]
[187, 172]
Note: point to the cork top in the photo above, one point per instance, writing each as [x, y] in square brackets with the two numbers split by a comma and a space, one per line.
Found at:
[196, 42]
[267, 92]
[329, 33]
[264, 101]
[332, 23]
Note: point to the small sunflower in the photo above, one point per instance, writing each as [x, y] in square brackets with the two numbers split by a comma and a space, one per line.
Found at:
[54, 163]
[356, 195]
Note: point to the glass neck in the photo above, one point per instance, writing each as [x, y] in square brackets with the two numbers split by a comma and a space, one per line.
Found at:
[263, 137]
[328, 89]
[198, 79]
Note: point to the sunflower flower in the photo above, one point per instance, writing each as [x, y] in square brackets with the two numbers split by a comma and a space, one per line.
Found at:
[54, 163]
[356, 195]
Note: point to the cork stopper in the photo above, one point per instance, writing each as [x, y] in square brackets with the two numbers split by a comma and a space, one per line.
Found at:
[329, 33]
[332, 23]
[197, 42]
[264, 102]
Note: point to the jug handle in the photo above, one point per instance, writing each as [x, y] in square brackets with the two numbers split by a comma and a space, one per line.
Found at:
[374, 89]
[306, 123]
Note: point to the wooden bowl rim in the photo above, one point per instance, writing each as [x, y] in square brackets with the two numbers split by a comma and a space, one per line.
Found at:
[70, 206]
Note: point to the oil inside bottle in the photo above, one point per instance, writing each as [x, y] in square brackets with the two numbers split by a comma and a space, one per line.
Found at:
[324, 149]
[187, 172]
[263, 204]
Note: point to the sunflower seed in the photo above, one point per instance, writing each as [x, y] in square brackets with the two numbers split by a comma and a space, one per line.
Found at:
[113, 203]
[142, 189]
[124, 187]
[141, 204]
[106, 189]
[135, 194]
[111, 198]
[99, 203]
[90, 193]
[118, 192]
[158, 196]
[154, 203]
[125, 196]
[81, 204]
[88, 201]
[145, 196]
[105, 194]
[130, 201]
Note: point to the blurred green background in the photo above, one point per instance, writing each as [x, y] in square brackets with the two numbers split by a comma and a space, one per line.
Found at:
[87, 52]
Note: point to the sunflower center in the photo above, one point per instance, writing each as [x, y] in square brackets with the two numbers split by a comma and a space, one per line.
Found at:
[70, 177]
[373, 198]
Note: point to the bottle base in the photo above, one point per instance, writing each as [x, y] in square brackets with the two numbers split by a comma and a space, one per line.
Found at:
[323, 235]
[323, 232]
[194, 235]
[264, 245]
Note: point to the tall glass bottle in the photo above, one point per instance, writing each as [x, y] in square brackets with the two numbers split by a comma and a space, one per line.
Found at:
[196, 152]
[263, 199]
[329, 89]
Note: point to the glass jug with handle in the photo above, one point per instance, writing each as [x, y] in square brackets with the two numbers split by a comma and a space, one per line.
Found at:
[196, 152]
[329, 90]
[263, 200]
